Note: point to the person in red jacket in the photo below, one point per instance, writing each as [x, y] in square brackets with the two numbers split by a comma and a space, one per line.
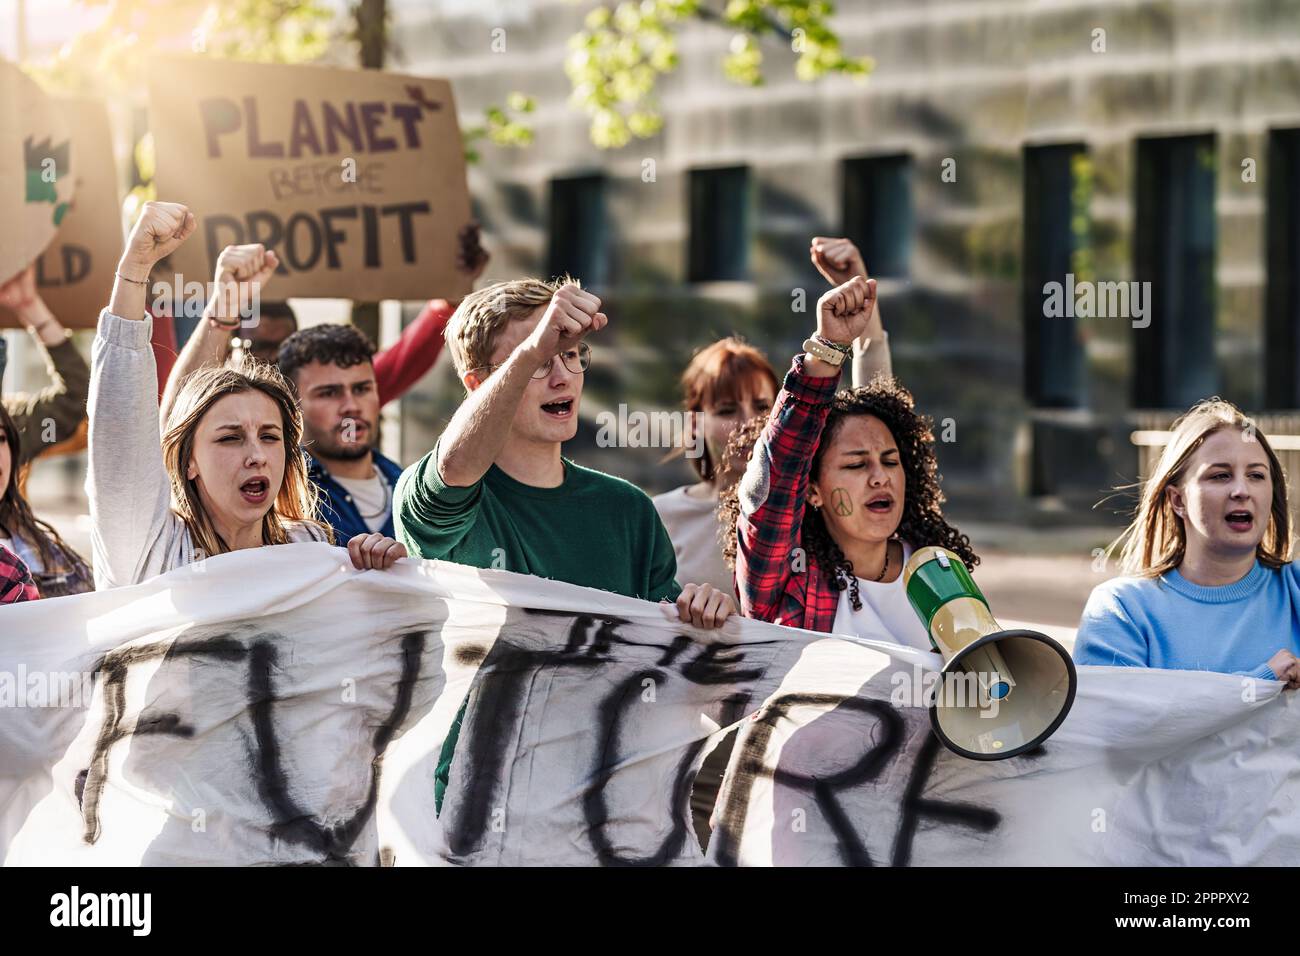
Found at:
[841, 487]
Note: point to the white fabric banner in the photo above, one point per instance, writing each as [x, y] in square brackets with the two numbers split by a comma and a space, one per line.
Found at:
[277, 707]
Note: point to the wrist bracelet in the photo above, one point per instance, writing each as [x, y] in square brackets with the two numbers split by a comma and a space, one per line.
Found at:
[823, 353]
[129, 279]
[845, 350]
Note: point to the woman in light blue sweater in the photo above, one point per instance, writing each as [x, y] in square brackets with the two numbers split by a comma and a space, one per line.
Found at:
[1208, 582]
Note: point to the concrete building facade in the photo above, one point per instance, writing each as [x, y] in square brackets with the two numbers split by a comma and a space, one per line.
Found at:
[1142, 155]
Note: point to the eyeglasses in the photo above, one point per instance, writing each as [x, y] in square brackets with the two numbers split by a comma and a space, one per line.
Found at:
[576, 361]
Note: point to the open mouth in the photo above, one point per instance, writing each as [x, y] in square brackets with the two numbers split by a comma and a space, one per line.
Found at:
[881, 504]
[1240, 520]
[561, 408]
[255, 490]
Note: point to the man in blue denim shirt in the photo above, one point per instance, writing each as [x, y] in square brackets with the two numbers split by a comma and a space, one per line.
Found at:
[331, 367]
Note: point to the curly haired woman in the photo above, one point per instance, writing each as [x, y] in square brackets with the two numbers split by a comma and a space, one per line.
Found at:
[840, 490]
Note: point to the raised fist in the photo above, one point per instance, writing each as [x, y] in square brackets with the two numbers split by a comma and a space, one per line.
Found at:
[570, 316]
[844, 312]
[159, 231]
[19, 293]
[838, 260]
[241, 273]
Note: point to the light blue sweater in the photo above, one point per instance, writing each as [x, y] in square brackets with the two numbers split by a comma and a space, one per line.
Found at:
[1171, 623]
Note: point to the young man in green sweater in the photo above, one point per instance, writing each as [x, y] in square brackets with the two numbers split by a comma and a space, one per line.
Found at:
[495, 492]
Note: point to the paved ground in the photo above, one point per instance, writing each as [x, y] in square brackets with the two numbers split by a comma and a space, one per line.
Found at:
[1044, 590]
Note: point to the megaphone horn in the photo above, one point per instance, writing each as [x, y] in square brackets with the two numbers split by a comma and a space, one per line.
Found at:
[1003, 691]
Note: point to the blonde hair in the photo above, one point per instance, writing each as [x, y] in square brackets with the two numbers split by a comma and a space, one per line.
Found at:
[473, 329]
[297, 499]
[1156, 540]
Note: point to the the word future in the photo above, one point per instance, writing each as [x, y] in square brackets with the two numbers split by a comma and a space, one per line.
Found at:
[1100, 300]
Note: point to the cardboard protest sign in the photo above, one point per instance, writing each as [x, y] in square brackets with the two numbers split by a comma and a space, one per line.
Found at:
[274, 706]
[356, 178]
[75, 272]
[35, 186]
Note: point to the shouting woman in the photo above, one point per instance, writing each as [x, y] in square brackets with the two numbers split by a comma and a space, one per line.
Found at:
[228, 474]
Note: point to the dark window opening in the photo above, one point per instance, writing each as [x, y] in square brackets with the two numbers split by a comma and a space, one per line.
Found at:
[1175, 252]
[878, 212]
[1282, 324]
[1057, 256]
[578, 243]
[720, 219]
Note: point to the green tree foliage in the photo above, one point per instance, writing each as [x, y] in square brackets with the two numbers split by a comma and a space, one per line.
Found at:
[501, 127]
[616, 60]
[118, 52]
[119, 48]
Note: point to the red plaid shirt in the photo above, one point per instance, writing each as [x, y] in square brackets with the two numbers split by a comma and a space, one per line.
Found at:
[777, 579]
[16, 582]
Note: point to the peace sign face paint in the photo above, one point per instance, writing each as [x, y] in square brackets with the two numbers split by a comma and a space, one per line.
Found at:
[860, 485]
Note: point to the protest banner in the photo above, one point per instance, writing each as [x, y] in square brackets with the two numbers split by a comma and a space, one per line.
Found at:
[36, 189]
[75, 272]
[275, 706]
[356, 178]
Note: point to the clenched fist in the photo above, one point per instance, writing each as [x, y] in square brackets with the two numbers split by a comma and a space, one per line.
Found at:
[570, 316]
[844, 313]
[159, 231]
[241, 273]
[19, 293]
[838, 260]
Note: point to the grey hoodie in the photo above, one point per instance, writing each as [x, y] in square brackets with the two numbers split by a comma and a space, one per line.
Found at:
[135, 535]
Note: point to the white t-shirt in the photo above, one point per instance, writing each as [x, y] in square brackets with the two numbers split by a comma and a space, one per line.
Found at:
[885, 615]
[372, 497]
[692, 525]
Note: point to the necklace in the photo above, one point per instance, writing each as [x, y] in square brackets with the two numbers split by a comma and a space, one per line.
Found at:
[388, 499]
[881, 576]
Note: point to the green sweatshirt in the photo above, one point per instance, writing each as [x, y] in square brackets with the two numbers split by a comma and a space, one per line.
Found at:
[594, 530]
